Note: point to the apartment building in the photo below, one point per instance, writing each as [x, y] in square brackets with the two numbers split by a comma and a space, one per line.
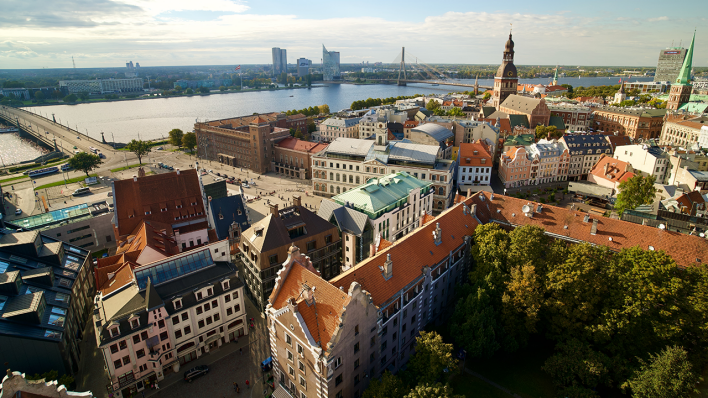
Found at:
[475, 164]
[575, 117]
[46, 292]
[378, 307]
[264, 247]
[634, 123]
[515, 167]
[649, 160]
[682, 130]
[292, 157]
[610, 172]
[585, 150]
[393, 206]
[153, 318]
[347, 163]
[338, 127]
[551, 161]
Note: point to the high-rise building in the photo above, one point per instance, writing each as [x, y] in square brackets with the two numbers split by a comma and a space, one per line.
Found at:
[681, 89]
[506, 78]
[303, 67]
[330, 65]
[280, 61]
[669, 65]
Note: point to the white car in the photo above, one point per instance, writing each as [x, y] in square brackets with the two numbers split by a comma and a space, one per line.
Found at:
[245, 185]
[18, 212]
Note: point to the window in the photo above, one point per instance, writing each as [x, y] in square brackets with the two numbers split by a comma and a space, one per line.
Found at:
[229, 311]
[144, 335]
[178, 334]
[114, 348]
[199, 310]
[114, 332]
[290, 356]
[356, 330]
[288, 340]
[356, 347]
[373, 341]
[122, 345]
[338, 362]
[199, 294]
[163, 336]
[301, 366]
[200, 324]
[206, 307]
[140, 353]
[273, 259]
[338, 380]
[136, 339]
[214, 304]
[302, 381]
[356, 379]
[291, 371]
[126, 359]
[187, 330]
[300, 350]
[217, 317]
[117, 364]
[208, 320]
[227, 298]
[161, 323]
[356, 363]
[185, 316]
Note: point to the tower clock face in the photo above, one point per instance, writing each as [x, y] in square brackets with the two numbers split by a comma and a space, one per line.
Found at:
[510, 73]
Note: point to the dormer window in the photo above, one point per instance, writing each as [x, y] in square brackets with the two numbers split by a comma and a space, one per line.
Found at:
[221, 216]
[163, 209]
[199, 295]
[194, 203]
[210, 292]
[177, 303]
[114, 331]
[225, 285]
[239, 212]
[134, 323]
[147, 213]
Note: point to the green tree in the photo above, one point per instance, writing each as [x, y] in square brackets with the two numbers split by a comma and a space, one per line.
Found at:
[388, 386]
[544, 131]
[576, 365]
[634, 192]
[433, 358]
[189, 91]
[189, 141]
[432, 105]
[432, 391]
[85, 162]
[39, 96]
[52, 375]
[668, 374]
[176, 137]
[487, 95]
[455, 112]
[222, 88]
[140, 148]
[298, 134]
[324, 109]
[475, 324]
[71, 98]
[84, 95]
[309, 80]
[204, 90]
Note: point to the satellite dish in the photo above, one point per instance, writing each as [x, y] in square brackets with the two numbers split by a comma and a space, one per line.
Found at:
[526, 209]
[702, 235]
[662, 227]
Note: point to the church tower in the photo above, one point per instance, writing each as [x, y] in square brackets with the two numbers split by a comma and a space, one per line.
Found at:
[555, 77]
[620, 95]
[506, 79]
[681, 89]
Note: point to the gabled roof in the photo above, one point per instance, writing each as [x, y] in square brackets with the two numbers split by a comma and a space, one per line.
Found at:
[558, 122]
[520, 103]
[617, 170]
[569, 224]
[301, 145]
[467, 156]
[322, 315]
[347, 219]
[409, 255]
[228, 210]
[272, 231]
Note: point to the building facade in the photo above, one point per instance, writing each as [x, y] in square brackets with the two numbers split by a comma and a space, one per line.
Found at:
[551, 161]
[575, 117]
[46, 294]
[506, 79]
[682, 130]
[293, 157]
[266, 244]
[535, 110]
[280, 61]
[102, 86]
[303, 67]
[649, 160]
[669, 64]
[585, 150]
[634, 123]
[338, 127]
[330, 65]
[515, 167]
[475, 164]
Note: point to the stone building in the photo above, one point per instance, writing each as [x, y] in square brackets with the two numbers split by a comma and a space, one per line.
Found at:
[682, 130]
[265, 245]
[475, 164]
[575, 117]
[337, 127]
[647, 159]
[506, 79]
[16, 385]
[433, 134]
[535, 110]
[634, 123]
[585, 150]
[293, 157]
[515, 167]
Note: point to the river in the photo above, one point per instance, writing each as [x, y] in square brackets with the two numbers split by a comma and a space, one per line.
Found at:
[14, 149]
[154, 118]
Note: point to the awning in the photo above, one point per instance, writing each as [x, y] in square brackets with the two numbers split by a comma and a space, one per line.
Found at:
[280, 392]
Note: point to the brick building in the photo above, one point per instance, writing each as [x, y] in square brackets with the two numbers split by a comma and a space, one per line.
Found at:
[293, 157]
[575, 117]
[506, 79]
[535, 110]
[247, 142]
[585, 150]
[634, 123]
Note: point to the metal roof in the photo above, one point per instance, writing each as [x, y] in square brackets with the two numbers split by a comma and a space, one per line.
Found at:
[436, 131]
[414, 152]
[380, 193]
[349, 146]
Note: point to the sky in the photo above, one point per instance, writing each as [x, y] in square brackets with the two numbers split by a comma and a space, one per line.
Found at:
[108, 33]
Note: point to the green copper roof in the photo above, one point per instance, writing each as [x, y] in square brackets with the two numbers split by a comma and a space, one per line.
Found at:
[381, 195]
[519, 140]
[685, 74]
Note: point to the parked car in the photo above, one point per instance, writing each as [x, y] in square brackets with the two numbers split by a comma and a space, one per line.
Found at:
[219, 174]
[195, 372]
[245, 185]
[82, 191]
[18, 212]
[159, 148]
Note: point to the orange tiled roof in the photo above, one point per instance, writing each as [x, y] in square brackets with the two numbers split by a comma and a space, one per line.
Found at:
[684, 249]
[555, 88]
[691, 124]
[467, 157]
[504, 124]
[322, 318]
[410, 123]
[301, 145]
[383, 243]
[617, 170]
[409, 255]
[259, 120]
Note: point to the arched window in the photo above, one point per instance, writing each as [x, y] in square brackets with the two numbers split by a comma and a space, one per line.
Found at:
[440, 204]
[337, 176]
[338, 192]
[441, 191]
[357, 180]
[331, 176]
[317, 187]
[351, 179]
[331, 188]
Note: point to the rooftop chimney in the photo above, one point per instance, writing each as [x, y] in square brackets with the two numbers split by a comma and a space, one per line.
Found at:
[274, 209]
[388, 267]
[593, 229]
[586, 218]
[607, 166]
[469, 192]
[135, 178]
[297, 200]
[177, 171]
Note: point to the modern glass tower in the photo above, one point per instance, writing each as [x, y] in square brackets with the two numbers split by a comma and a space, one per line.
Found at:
[330, 65]
[280, 61]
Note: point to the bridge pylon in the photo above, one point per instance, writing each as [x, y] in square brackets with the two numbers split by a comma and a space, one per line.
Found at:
[402, 68]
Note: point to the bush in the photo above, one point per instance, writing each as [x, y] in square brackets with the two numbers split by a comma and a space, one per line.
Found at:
[542, 200]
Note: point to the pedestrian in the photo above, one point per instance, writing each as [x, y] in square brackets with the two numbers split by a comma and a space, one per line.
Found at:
[240, 350]
[156, 386]
[247, 385]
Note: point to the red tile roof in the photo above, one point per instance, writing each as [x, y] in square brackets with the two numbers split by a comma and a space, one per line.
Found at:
[409, 255]
[301, 145]
[617, 170]
[259, 120]
[157, 192]
[684, 249]
[504, 124]
[691, 201]
[618, 140]
[411, 123]
[322, 318]
[467, 155]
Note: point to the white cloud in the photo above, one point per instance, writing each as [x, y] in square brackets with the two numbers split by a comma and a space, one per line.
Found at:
[664, 18]
[154, 7]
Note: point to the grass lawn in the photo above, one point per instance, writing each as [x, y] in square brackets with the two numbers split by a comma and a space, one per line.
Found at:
[472, 387]
[126, 167]
[12, 179]
[521, 371]
[99, 253]
[69, 181]
[152, 144]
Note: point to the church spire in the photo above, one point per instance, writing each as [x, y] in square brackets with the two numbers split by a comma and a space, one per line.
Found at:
[685, 74]
[555, 77]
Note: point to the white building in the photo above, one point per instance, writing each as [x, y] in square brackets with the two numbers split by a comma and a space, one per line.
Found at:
[703, 137]
[649, 160]
[475, 164]
[337, 127]
[102, 86]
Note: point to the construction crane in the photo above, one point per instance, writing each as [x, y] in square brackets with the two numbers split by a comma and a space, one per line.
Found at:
[73, 62]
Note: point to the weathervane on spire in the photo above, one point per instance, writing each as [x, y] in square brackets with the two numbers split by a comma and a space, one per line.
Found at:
[511, 26]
